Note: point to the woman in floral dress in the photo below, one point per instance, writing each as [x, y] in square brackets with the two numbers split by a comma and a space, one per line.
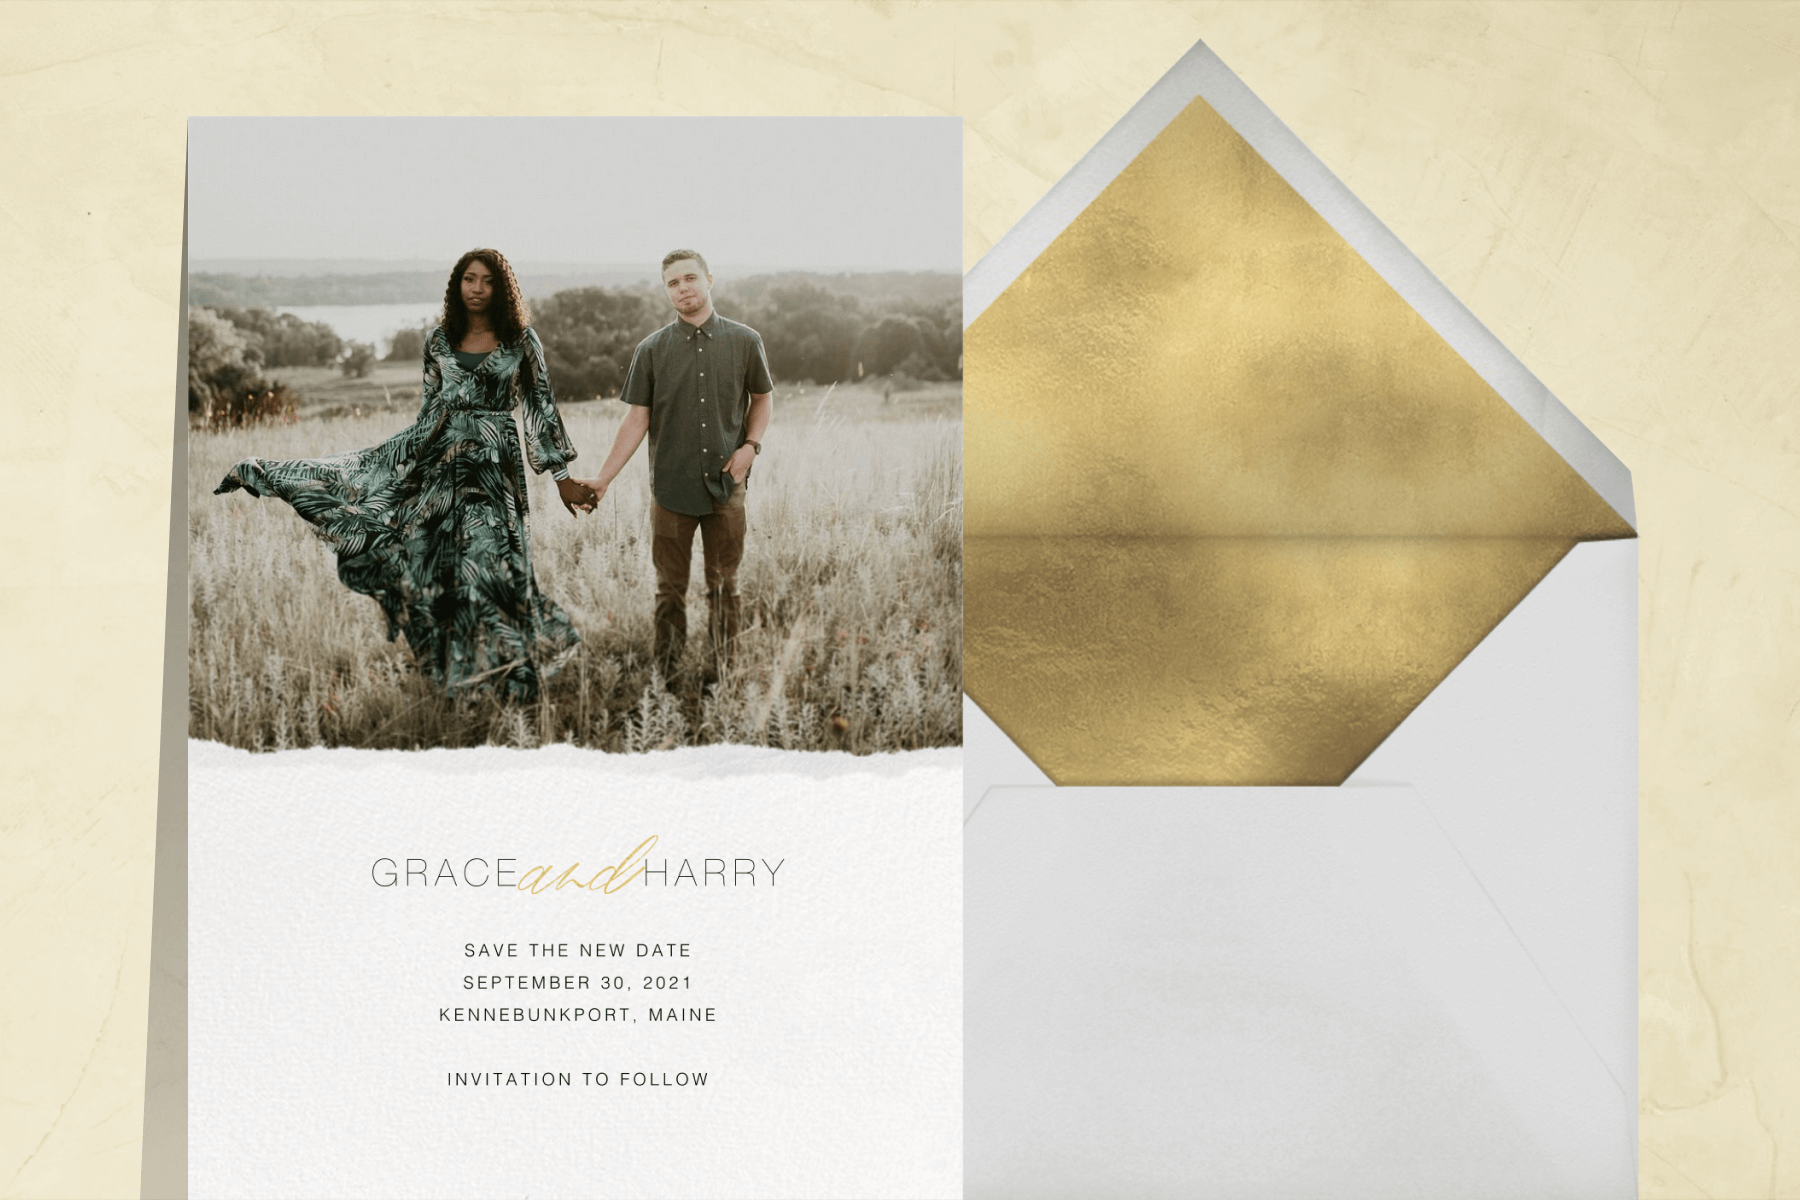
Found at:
[432, 522]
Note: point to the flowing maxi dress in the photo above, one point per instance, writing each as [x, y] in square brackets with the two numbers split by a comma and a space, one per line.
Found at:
[432, 522]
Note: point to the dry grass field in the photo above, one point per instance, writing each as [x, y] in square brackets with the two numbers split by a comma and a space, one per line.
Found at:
[391, 389]
[852, 586]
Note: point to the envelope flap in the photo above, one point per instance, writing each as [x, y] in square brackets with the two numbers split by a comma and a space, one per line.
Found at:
[1200, 284]
[1243, 482]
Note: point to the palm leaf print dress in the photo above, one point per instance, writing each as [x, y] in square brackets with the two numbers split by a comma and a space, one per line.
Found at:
[432, 522]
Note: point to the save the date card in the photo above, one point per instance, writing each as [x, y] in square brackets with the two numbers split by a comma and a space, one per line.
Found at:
[574, 550]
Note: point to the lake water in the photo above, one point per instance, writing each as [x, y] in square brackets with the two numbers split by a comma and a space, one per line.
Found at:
[371, 323]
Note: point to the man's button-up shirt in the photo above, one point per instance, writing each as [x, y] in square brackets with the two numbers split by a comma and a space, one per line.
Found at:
[697, 381]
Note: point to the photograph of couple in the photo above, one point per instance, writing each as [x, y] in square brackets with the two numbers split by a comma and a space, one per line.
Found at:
[825, 610]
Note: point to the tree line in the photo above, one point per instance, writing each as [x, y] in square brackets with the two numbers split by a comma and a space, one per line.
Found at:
[812, 333]
[230, 351]
[226, 385]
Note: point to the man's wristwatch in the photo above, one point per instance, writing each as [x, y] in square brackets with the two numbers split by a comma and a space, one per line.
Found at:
[756, 446]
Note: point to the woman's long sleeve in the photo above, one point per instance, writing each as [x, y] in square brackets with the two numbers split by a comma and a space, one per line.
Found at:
[547, 445]
[432, 379]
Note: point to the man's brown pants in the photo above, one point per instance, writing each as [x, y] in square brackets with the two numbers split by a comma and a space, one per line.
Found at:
[672, 552]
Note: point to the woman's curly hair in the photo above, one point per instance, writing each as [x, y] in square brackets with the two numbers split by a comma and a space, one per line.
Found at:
[507, 310]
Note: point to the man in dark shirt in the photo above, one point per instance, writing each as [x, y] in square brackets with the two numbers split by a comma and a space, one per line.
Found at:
[700, 388]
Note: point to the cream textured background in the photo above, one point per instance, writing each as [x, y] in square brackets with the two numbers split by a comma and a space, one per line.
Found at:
[1615, 190]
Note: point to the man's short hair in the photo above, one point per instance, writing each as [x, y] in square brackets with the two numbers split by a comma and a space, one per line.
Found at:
[678, 255]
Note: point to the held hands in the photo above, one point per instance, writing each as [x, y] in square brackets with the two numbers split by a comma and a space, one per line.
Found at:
[738, 466]
[579, 496]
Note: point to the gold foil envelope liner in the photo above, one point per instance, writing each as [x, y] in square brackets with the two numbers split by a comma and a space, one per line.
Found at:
[1232, 506]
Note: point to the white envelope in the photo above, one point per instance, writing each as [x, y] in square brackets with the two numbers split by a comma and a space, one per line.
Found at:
[1421, 983]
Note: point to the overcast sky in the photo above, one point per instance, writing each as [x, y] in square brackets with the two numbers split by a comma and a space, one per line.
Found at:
[796, 193]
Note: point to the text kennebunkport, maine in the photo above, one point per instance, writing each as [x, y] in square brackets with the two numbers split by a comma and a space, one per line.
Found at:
[541, 878]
